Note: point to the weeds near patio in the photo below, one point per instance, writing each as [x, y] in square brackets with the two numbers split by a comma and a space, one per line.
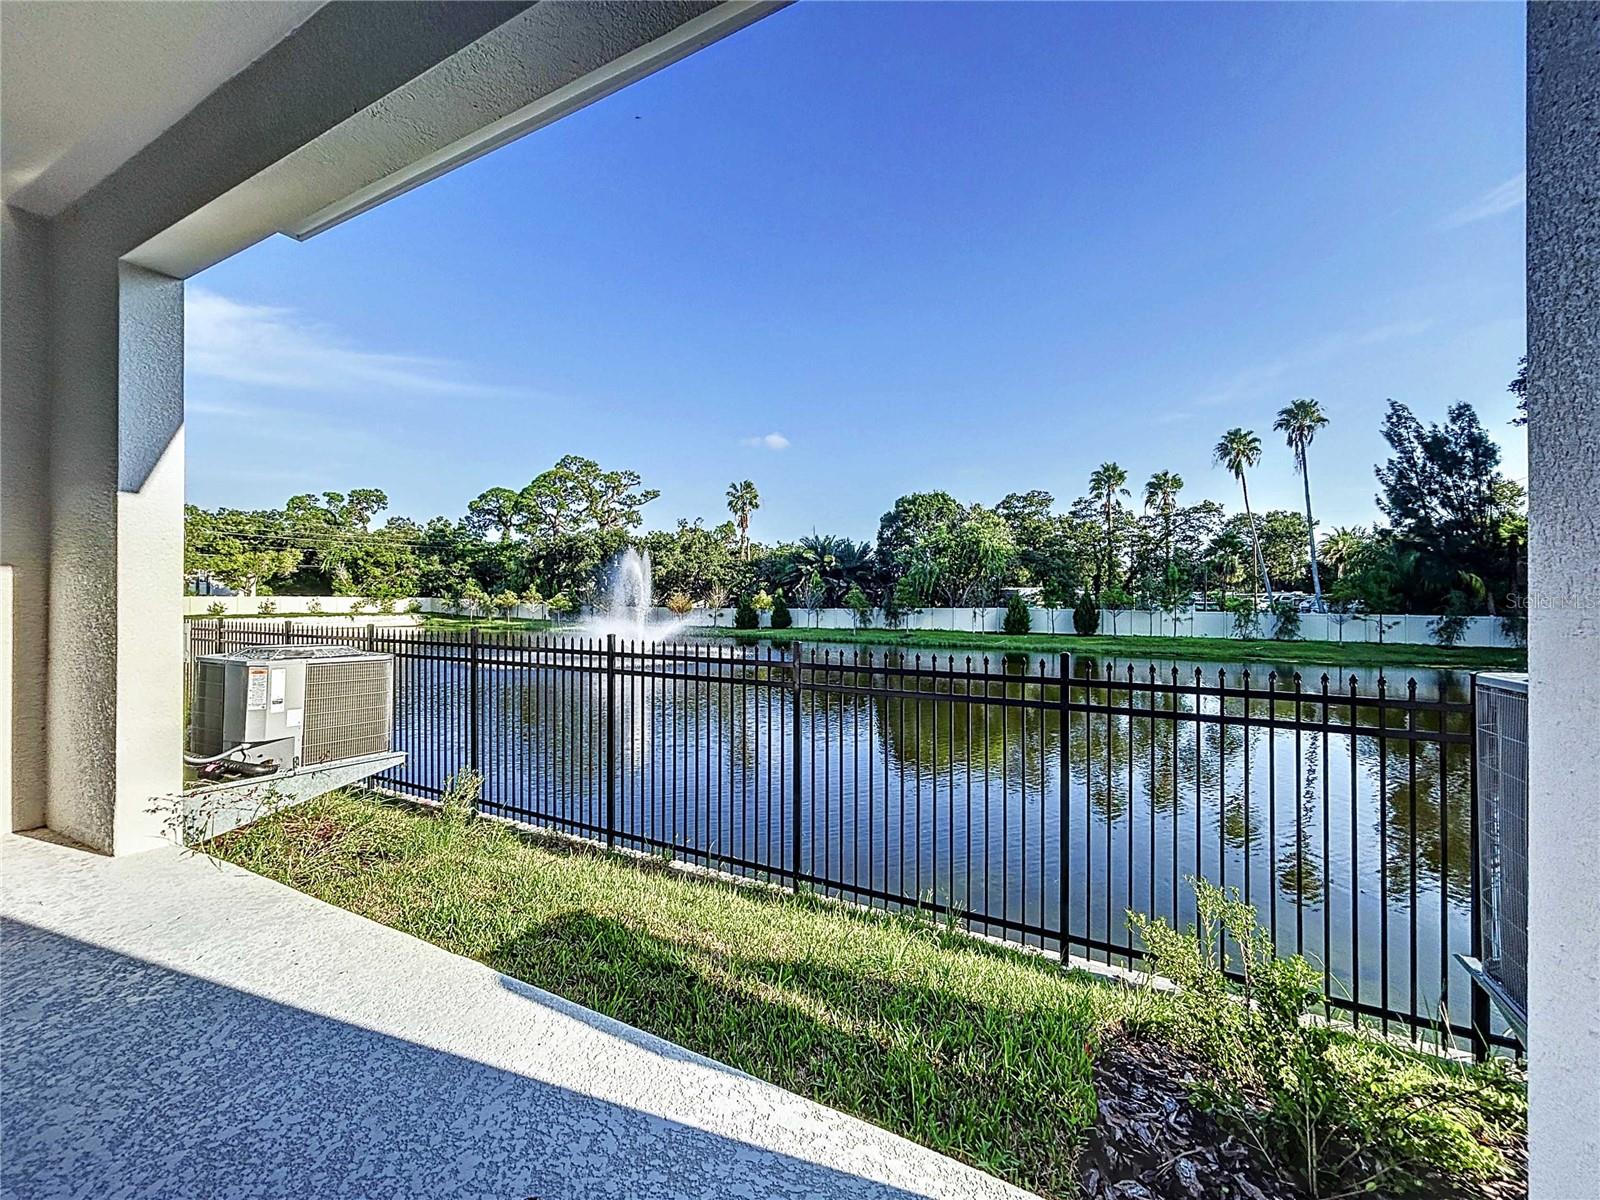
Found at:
[1349, 1115]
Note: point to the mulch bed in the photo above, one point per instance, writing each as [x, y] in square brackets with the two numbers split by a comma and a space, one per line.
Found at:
[1152, 1143]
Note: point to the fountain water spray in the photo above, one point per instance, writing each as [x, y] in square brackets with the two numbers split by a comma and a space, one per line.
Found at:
[628, 609]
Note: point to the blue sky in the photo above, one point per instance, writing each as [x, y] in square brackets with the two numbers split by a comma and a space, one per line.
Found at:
[858, 250]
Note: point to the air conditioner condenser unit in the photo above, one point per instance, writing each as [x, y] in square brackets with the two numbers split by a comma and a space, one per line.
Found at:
[272, 709]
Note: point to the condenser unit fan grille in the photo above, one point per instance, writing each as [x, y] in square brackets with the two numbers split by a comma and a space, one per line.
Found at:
[347, 713]
[206, 708]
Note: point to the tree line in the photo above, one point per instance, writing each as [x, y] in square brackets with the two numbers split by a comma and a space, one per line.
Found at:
[1452, 540]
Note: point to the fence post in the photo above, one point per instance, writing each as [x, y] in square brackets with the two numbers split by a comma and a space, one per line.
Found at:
[1065, 734]
[1480, 997]
[472, 697]
[286, 627]
[611, 740]
[795, 825]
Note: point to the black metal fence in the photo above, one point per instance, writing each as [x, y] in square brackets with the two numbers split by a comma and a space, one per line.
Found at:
[1033, 800]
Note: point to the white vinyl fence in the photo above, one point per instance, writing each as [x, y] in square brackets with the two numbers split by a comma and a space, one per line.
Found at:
[1413, 629]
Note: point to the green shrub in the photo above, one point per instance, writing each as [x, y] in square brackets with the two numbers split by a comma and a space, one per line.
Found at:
[216, 608]
[266, 608]
[1285, 621]
[1086, 615]
[1449, 629]
[781, 617]
[314, 607]
[1345, 1111]
[1514, 624]
[1018, 619]
[745, 615]
[1246, 621]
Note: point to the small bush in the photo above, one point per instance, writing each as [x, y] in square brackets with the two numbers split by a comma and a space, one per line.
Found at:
[1514, 624]
[1086, 616]
[459, 802]
[314, 607]
[1449, 629]
[679, 604]
[1018, 619]
[1345, 1111]
[781, 616]
[762, 600]
[1285, 621]
[266, 607]
[216, 608]
[1246, 621]
[505, 601]
[745, 615]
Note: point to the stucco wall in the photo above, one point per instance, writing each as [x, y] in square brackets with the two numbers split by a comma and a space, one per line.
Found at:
[1564, 585]
[24, 514]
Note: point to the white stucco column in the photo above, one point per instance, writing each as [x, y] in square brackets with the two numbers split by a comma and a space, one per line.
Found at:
[24, 510]
[1564, 590]
[149, 554]
[114, 696]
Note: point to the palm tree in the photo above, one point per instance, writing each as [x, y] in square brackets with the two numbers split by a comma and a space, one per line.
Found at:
[839, 561]
[1105, 484]
[1299, 422]
[743, 499]
[1341, 547]
[1226, 560]
[1238, 449]
[1161, 494]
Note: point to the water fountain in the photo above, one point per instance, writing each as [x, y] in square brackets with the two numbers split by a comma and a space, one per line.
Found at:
[628, 608]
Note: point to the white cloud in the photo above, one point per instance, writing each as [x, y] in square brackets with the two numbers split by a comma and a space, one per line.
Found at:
[771, 441]
[1262, 379]
[278, 347]
[1501, 198]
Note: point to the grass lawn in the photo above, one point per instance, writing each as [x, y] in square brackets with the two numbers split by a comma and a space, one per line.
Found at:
[496, 624]
[981, 1052]
[1344, 654]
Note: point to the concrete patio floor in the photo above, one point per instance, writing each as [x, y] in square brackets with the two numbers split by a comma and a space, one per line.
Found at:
[174, 1026]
